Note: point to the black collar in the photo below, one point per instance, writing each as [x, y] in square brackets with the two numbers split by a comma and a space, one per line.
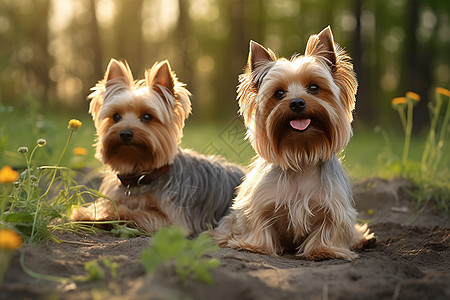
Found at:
[144, 177]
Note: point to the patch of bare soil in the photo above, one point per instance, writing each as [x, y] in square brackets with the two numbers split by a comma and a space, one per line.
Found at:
[410, 260]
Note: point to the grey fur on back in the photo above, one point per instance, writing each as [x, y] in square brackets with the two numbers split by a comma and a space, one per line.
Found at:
[199, 189]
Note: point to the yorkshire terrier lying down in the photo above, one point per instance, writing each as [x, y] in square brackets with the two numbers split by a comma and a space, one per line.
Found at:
[297, 196]
[153, 182]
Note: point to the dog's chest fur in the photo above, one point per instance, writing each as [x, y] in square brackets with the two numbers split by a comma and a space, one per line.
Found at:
[292, 203]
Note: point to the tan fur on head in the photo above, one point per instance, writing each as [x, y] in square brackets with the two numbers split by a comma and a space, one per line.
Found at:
[160, 95]
[297, 196]
[267, 118]
[323, 45]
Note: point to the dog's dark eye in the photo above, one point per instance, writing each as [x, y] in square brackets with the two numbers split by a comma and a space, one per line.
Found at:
[146, 118]
[116, 118]
[279, 94]
[313, 89]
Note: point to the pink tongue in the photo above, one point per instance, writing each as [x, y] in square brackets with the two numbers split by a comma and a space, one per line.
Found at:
[300, 124]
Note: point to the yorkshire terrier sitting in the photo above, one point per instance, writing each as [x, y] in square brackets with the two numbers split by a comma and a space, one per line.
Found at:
[297, 196]
[151, 181]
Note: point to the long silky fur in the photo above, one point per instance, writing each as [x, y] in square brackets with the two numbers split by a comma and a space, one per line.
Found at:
[195, 194]
[197, 190]
[294, 197]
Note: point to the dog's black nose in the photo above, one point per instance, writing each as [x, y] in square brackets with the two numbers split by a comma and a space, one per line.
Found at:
[297, 105]
[126, 135]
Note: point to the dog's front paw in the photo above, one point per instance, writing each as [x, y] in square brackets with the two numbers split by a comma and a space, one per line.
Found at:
[96, 211]
[325, 253]
[363, 237]
[82, 214]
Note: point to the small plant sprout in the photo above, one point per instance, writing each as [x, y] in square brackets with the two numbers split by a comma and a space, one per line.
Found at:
[95, 272]
[74, 125]
[27, 209]
[170, 248]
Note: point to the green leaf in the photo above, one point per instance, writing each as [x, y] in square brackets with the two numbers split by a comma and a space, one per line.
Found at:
[170, 246]
[112, 267]
[203, 244]
[168, 242]
[203, 267]
[21, 217]
[126, 232]
[94, 270]
[150, 260]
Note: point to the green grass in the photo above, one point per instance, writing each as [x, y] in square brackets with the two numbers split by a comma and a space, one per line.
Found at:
[226, 140]
[366, 155]
[22, 128]
[169, 248]
[369, 154]
[30, 200]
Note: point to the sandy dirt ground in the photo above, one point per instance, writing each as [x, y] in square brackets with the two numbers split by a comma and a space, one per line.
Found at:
[410, 260]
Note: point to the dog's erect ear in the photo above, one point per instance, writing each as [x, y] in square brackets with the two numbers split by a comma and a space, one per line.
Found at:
[119, 71]
[258, 56]
[117, 75]
[322, 44]
[260, 60]
[160, 75]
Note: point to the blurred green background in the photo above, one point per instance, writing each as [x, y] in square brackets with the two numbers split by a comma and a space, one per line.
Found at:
[53, 51]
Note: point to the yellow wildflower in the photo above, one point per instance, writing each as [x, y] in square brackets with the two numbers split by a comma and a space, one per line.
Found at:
[79, 151]
[398, 100]
[9, 239]
[413, 96]
[74, 124]
[8, 175]
[443, 91]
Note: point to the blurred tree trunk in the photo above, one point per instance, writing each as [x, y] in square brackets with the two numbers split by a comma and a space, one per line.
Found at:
[95, 42]
[253, 21]
[439, 49]
[239, 42]
[181, 44]
[363, 105]
[375, 95]
[411, 52]
[417, 74]
[236, 54]
[128, 33]
[42, 62]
